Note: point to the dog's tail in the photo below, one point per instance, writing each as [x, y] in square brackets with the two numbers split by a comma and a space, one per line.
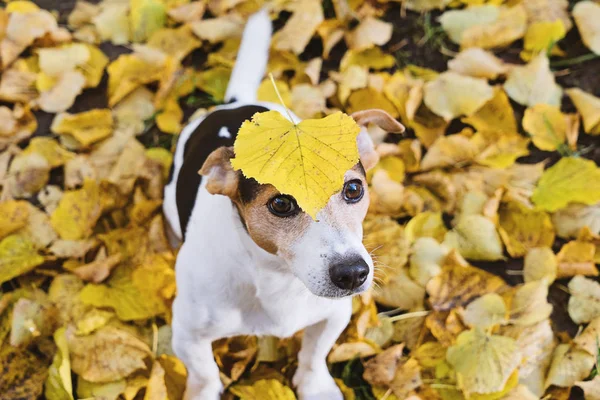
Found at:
[252, 59]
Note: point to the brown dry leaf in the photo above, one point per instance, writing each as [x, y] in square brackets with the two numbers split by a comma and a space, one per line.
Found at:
[32, 319]
[349, 350]
[477, 63]
[18, 85]
[540, 263]
[24, 373]
[569, 365]
[381, 369]
[533, 83]
[18, 125]
[99, 269]
[576, 258]
[523, 228]
[369, 33]
[386, 239]
[458, 284]
[448, 151]
[62, 95]
[451, 95]
[588, 106]
[495, 115]
[300, 28]
[107, 355]
[475, 237]
[18, 256]
[483, 363]
[584, 304]
[77, 212]
[586, 15]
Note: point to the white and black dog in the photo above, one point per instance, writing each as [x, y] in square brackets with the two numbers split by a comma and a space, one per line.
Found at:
[252, 262]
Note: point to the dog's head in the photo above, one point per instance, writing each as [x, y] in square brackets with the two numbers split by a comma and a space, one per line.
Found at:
[327, 254]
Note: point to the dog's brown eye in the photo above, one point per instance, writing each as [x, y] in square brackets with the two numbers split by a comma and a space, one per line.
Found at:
[282, 206]
[353, 191]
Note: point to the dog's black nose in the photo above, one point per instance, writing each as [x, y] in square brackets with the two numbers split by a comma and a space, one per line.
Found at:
[349, 274]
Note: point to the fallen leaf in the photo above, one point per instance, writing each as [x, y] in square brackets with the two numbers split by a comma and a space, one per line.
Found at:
[426, 224]
[457, 285]
[364, 99]
[591, 389]
[146, 17]
[569, 365]
[127, 73]
[542, 37]
[451, 95]
[369, 33]
[570, 220]
[588, 106]
[99, 269]
[349, 350]
[588, 339]
[266, 92]
[59, 385]
[214, 82]
[485, 312]
[87, 127]
[448, 151]
[498, 149]
[585, 13]
[475, 237]
[483, 363]
[426, 259]
[169, 119]
[77, 212]
[299, 29]
[13, 216]
[584, 304]
[23, 373]
[546, 125]
[548, 10]
[381, 369]
[18, 85]
[529, 304]
[400, 292]
[106, 355]
[523, 228]
[112, 23]
[576, 258]
[93, 68]
[477, 63]
[167, 379]
[495, 115]
[540, 264]
[62, 95]
[533, 83]
[569, 180]
[189, 12]
[373, 58]
[104, 391]
[218, 29]
[342, 154]
[264, 389]
[56, 61]
[307, 101]
[18, 256]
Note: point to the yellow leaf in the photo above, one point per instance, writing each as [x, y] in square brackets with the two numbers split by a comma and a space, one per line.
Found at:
[576, 258]
[458, 284]
[77, 212]
[112, 23]
[56, 61]
[426, 5]
[570, 180]
[177, 42]
[426, 224]
[522, 228]
[300, 28]
[21, 7]
[134, 293]
[475, 237]
[54, 153]
[369, 33]
[548, 10]
[308, 101]
[265, 389]
[529, 304]
[451, 95]
[588, 339]
[295, 162]
[214, 82]
[495, 115]
[162, 156]
[540, 264]
[569, 365]
[106, 355]
[62, 95]
[218, 29]
[266, 92]
[426, 259]
[128, 72]
[448, 151]
[146, 17]
[87, 127]
[430, 354]
[349, 350]
[485, 312]
[93, 68]
[584, 304]
[457, 22]
[571, 219]
[588, 106]
[135, 109]
[483, 363]
[386, 237]
[105, 390]
[586, 15]
[169, 119]
[364, 99]
[541, 37]
[373, 58]
[18, 256]
[400, 292]
[58, 384]
[477, 63]
[13, 216]
[190, 12]
[533, 83]
[499, 149]
[167, 380]
[546, 125]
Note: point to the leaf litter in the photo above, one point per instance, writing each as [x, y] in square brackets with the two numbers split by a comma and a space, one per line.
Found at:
[499, 168]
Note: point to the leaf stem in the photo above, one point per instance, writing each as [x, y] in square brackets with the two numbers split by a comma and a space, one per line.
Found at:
[280, 98]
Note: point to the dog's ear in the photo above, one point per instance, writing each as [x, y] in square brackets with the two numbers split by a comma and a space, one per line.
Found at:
[366, 149]
[220, 175]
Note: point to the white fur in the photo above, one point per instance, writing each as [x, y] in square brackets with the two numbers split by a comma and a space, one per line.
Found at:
[227, 285]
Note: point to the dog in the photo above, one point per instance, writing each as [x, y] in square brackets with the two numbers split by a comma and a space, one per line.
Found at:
[251, 261]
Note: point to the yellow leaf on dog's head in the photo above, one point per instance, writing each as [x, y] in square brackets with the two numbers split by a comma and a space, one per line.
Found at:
[588, 106]
[293, 158]
[17, 256]
[77, 212]
[451, 95]
[533, 83]
[570, 180]
[546, 125]
[264, 389]
[587, 15]
[584, 304]
[483, 363]
[86, 128]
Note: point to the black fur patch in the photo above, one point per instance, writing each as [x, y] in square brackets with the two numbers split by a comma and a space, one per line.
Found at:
[201, 143]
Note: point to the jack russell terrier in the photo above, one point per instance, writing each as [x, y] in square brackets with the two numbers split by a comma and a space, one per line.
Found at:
[252, 262]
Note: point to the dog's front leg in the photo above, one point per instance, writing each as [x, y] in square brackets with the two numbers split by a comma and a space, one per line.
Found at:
[203, 381]
[312, 379]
